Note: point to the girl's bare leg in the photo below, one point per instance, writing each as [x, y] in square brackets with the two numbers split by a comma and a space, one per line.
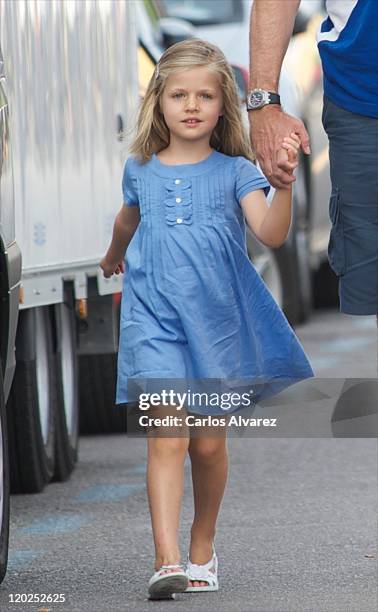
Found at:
[209, 458]
[165, 481]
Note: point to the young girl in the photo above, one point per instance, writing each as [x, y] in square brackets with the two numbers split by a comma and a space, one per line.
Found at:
[193, 306]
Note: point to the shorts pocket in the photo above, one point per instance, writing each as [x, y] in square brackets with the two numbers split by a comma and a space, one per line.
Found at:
[336, 246]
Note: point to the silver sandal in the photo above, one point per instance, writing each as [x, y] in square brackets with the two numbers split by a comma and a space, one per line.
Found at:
[208, 572]
[162, 586]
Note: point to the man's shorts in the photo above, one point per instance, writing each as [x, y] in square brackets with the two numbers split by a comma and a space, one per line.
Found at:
[353, 207]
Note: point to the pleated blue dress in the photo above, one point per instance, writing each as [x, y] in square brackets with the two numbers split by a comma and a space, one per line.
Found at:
[194, 311]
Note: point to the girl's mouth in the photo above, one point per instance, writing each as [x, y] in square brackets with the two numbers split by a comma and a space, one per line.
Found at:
[192, 121]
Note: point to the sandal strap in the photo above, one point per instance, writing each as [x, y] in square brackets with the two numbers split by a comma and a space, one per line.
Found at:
[180, 565]
[203, 572]
[202, 576]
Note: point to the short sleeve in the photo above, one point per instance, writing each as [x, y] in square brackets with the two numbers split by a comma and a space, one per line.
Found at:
[248, 178]
[129, 184]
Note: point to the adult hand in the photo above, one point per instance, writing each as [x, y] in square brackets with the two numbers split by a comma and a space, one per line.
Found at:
[268, 128]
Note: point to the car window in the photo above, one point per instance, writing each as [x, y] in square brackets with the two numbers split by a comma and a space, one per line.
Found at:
[146, 66]
[205, 12]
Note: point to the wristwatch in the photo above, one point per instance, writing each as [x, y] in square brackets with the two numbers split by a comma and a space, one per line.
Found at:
[257, 98]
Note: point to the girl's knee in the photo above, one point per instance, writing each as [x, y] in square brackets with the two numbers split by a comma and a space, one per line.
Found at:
[174, 447]
[207, 450]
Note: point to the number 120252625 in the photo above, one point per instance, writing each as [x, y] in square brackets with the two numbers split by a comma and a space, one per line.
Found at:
[40, 598]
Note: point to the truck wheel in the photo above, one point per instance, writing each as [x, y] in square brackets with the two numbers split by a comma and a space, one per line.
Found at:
[98, 413]
[67, 405]
[4, 485]
[31, 404]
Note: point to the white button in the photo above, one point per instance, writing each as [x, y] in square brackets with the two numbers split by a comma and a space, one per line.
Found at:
[179, 220]
[178, 200]
[177, 181]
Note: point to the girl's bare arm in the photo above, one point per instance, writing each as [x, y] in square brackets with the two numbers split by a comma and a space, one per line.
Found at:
[271, 224]
[124, 228]
[125, 225]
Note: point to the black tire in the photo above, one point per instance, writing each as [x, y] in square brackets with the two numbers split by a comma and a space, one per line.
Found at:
[294, 255]
[294, 262]
[31, 404]
[4, 485]
[67, 389]
[98, 413]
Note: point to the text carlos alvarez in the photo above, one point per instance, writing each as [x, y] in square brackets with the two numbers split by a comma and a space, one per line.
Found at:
[191, 420]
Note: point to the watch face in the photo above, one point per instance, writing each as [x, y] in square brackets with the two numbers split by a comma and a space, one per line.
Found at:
[256, 99]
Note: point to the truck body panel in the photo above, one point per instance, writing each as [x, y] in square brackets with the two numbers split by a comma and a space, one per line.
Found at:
[71, 84]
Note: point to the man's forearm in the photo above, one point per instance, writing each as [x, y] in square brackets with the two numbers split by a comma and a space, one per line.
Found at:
[271, 27]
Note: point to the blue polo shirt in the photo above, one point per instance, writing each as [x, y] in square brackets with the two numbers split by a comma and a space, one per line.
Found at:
[348, 47]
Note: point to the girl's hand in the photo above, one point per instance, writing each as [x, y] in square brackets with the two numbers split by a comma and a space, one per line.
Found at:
[110, 268]
[289, 151]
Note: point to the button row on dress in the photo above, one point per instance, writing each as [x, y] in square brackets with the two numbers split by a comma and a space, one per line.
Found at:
[178, 200]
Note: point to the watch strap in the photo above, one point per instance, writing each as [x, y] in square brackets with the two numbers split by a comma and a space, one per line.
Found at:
[274, 98]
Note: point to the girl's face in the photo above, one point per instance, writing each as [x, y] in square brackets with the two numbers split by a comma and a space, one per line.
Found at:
[191, 103]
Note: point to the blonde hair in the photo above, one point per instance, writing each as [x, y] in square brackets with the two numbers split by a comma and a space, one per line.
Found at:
[229, 135]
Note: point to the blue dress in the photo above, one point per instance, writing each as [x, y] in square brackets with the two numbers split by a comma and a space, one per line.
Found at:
[194, 311]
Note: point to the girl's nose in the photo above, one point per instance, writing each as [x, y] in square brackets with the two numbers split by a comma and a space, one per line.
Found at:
[192, 103]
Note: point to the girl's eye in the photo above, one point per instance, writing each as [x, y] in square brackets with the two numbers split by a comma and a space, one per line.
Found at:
[204, 95]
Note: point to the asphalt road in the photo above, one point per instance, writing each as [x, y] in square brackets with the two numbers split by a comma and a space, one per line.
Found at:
[297, 530]
[341, 345]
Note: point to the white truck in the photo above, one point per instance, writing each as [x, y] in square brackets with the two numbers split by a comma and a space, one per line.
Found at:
[68, 94]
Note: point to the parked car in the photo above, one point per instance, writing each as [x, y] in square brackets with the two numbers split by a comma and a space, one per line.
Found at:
[289, 270]
[10, 276]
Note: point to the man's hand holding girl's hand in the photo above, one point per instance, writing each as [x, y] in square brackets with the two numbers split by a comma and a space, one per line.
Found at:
[289, 152]
[110, 268]
[268, 126]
